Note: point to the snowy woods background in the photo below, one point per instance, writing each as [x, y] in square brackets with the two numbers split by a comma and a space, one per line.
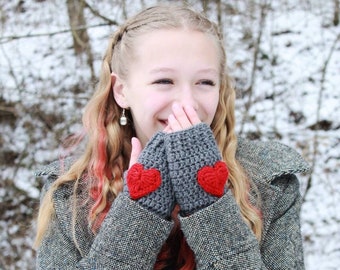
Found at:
[283, 54]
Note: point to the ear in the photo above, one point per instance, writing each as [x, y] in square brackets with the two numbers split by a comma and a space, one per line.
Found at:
[118, 88]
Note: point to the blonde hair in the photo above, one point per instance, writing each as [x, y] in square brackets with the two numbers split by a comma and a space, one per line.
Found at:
[108, 144]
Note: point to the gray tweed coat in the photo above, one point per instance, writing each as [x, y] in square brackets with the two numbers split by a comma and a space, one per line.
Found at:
[131, 237]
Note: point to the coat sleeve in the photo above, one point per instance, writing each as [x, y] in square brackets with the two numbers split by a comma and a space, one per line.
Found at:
[221, 239]
[129, 238]
[281, 246]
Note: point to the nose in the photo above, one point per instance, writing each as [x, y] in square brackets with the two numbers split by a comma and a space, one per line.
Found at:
[186, 97]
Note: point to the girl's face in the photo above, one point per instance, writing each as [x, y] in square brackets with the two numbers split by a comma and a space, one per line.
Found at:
[170, 66]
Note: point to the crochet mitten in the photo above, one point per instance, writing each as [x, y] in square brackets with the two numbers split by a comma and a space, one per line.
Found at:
[147, 181]
[198, 175]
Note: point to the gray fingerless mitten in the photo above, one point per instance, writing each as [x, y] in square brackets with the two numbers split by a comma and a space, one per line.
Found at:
[147, 181]
[198, 175]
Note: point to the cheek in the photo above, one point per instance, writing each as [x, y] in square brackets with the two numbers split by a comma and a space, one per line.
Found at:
[212, 104]
[211, 108]
[157, 102]
[149, 106]
[153, 104]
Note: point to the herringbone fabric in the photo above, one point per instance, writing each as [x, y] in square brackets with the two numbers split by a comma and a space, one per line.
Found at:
[130, 236]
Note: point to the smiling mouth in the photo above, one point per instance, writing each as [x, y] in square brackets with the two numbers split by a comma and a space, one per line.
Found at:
[164, 122]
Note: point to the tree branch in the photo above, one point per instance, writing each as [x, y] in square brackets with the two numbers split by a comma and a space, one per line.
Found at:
[6, 39]
[96, 13]
[316, 134]
[263, 14]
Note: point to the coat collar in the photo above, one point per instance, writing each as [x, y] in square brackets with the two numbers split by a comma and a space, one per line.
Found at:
[265, 161]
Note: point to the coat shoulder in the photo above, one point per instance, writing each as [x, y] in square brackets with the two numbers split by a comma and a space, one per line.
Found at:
[266, 161]
[49, 173]
[55, 168]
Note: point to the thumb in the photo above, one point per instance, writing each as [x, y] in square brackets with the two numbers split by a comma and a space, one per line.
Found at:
[135, 152]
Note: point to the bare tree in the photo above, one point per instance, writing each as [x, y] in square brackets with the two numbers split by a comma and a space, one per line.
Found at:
[81, 40]
[76, 18]
[336, 12]
[318, 117]
[263, 14]
[205, 6]
[219, 13]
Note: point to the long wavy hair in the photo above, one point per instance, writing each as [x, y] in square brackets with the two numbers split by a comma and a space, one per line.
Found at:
[108, 146]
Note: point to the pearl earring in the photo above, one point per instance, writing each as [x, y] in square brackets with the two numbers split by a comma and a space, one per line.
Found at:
[123, 119]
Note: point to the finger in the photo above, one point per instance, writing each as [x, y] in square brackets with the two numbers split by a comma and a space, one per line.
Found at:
[135, 152]
[167, 129]
[181, 116]
[174, 125]
[192, 115]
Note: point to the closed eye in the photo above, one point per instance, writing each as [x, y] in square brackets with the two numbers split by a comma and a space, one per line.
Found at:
[207, 82]
[163, 81]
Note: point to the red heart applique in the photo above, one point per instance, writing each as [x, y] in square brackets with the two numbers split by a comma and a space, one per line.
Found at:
[141, 182]
[213, 179]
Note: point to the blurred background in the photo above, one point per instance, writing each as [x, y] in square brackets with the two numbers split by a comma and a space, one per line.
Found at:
[283, 54]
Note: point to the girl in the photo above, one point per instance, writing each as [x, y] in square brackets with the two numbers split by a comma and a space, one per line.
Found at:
[164, 183]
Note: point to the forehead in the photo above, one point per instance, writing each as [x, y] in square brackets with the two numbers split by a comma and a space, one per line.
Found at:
[176, 45]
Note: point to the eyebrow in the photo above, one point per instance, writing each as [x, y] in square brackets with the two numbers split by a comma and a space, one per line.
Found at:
[162, 69]
[208, 70]
[165, 69]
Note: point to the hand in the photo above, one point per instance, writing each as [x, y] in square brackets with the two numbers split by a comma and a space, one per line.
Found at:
[181, 118]
[197, 174]
[147, 180]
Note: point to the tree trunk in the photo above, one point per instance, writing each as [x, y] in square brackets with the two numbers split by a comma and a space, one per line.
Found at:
[80, 37]
[336, 13]
[81, 40]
